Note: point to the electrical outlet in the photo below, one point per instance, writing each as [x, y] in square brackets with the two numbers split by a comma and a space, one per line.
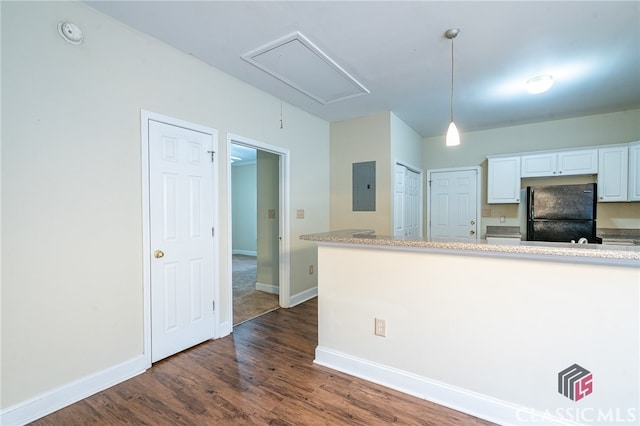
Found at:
[310, 269]
[380, 327]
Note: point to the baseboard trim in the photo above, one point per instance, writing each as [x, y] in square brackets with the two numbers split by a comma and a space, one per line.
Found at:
[459, 399]
[268, 288]
[245, 252]
[225, 329]
[303, 296]
[48, 402]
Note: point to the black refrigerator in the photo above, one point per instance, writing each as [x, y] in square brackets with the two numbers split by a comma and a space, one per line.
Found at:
[562, 213]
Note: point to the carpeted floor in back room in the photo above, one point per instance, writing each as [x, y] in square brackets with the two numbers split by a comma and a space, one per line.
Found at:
[248, 302]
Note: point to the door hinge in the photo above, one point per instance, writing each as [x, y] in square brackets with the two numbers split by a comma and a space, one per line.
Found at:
[211, 152]
[213, 306]
[213, 231]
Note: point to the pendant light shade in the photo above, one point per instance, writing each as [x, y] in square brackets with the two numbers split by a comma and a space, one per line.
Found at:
[453, 136]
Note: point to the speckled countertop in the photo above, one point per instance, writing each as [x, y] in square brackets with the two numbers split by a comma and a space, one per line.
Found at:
[589, 253]
[612, 235]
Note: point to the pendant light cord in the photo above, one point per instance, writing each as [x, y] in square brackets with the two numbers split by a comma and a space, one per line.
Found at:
[451, 80]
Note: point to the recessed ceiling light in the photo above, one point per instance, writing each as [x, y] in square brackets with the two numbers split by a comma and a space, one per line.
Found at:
[539, 84]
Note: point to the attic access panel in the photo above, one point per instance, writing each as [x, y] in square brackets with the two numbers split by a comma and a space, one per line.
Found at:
[364, 186]
[300, 64]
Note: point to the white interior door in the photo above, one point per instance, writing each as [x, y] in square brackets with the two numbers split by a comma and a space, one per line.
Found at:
[453, 205]
[412, 204]
[406, 213]
[181, 237]
[399, 214]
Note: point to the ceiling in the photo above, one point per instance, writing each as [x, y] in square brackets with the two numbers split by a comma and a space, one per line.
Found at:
[397, 50]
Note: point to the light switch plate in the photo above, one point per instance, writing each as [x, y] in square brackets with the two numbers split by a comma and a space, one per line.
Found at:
[300, 214]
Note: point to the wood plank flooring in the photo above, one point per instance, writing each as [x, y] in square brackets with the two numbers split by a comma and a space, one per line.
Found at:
[262, 374]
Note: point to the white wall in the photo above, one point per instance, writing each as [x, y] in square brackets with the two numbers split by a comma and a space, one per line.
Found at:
[72, 290]
[244, 208]
[406, 144]
[485, 335]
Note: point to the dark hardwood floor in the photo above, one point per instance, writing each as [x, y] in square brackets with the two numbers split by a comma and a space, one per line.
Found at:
[262, 374]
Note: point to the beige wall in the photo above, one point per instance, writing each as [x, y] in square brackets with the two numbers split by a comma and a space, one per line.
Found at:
[268, 258]
[72, 267]
[382, 138]
[353, 141]
[482, 324]
[612, 128]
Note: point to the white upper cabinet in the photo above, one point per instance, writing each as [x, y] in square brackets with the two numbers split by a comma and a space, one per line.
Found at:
[537, 165]
[617, 167]
[503, 182]
[578, 162]
[612, 174]
[560, 163]
[634, 171]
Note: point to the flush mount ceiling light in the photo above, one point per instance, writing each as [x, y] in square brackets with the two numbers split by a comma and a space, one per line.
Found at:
[453, 136]
[539, 84]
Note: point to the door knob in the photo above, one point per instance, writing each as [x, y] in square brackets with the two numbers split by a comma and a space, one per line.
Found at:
[158, 254]
[472, 232]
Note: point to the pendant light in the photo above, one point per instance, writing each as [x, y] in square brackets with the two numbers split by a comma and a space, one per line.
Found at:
[453, 137]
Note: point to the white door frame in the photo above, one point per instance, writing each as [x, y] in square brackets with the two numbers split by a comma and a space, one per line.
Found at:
[478, 170]
[420, 173]
[145, 116]
[283, 191]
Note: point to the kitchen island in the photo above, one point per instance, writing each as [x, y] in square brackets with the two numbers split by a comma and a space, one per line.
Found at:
[485, 329]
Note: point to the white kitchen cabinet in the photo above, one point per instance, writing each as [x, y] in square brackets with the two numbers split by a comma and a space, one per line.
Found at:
[634, 172]
[560, 163]
[578, 162]
[613, 174]
[538, 165]
[503, 183]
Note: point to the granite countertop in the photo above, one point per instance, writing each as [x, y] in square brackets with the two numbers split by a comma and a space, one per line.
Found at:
[619, 236]
[591, 253]
[503, 231]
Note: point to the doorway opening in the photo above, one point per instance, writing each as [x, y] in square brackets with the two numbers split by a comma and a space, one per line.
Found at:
[258, 225]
